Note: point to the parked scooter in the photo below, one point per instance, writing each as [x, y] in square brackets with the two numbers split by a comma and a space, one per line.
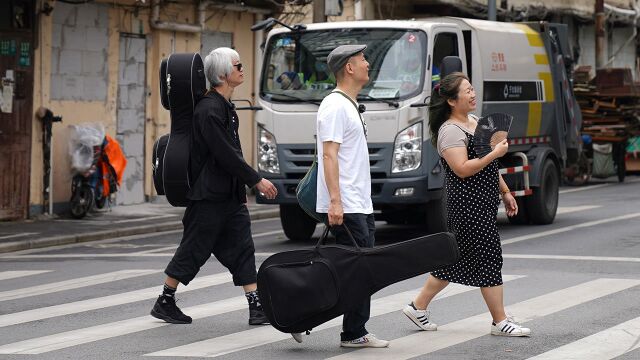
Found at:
[98, 164]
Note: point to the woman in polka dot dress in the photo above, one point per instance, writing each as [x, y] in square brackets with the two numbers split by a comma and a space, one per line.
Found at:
[473, 188]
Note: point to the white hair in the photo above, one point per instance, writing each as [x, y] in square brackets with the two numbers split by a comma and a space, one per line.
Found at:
[218, 64]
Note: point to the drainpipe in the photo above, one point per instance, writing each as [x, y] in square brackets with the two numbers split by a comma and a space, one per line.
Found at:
[357, 9]
[491, 12]
[600, 34]
[318, 11]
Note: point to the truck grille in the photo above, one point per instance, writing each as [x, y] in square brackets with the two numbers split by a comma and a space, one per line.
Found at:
[295, 160]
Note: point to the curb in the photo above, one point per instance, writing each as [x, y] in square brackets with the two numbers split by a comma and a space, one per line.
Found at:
[108, 234]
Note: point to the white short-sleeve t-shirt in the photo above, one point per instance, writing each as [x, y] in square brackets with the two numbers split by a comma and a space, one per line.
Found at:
[339, 121]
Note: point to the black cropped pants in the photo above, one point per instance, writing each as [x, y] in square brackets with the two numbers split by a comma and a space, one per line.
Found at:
[221, 229]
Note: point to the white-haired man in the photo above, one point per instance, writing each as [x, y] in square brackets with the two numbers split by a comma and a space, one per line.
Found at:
[216, 220]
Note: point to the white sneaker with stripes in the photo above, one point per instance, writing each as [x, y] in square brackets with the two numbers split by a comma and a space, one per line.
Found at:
[368, 340]
[508, 327]
[419, 317]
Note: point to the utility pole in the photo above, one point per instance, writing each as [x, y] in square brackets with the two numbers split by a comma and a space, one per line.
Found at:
[600, 34]
[491, 13]
[318, 11]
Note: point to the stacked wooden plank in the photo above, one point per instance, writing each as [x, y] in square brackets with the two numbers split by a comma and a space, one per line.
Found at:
[610, 105]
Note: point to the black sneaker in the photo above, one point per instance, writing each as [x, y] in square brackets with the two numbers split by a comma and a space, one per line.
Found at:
[257, 317]
[166, 309]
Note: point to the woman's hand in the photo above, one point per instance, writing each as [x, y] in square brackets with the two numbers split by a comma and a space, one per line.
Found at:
[510, 204]
[501, 148]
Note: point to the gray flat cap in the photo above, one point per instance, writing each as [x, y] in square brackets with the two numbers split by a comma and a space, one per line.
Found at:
[340, 55]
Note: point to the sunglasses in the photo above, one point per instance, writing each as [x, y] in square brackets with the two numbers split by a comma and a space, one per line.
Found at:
[238, 66]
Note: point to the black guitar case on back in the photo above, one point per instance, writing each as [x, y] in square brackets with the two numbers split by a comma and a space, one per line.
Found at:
[302, 289]
[182, 85]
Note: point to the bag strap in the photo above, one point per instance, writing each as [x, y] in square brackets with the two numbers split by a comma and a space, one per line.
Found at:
[364, 124]
[227, 123]
[325, 235]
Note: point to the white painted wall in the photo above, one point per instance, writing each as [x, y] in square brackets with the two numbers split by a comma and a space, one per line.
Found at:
[626, 57]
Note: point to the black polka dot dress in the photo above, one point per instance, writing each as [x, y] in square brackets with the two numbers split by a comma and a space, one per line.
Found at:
[472, 207]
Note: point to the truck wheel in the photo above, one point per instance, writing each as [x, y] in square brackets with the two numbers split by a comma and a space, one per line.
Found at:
[436, 217]
[297, 225]
[522, 218]
[542, 205]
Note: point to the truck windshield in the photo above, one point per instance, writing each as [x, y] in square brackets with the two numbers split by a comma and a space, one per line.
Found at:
[295, 67]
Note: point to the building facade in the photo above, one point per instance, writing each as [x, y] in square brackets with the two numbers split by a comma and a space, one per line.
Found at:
[98, 61]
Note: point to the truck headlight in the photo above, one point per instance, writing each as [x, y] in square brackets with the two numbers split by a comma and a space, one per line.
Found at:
[267, 152]
[407, 149]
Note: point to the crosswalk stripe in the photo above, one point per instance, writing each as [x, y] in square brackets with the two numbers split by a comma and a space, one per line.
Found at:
[6, 275]
[17, 235]
[563, 209]
[607, 344]
[455, 333]
[570, 257]
[106, 301]
[119, 328]
[73, 284]
[86, 256]
[582, 188]
[173, 247]
[264, 335]
[99, 332]
[569, 228]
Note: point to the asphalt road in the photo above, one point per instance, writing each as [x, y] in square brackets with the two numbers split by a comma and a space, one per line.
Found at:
[575, 283]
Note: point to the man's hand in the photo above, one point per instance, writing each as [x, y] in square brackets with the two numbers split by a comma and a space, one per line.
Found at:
[267, 189]
[335, 214]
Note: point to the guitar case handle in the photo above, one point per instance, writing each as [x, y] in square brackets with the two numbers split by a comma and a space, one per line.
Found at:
[325, 234]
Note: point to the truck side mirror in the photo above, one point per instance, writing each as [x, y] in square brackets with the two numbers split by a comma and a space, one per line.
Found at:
[264, 24]
[424, 103]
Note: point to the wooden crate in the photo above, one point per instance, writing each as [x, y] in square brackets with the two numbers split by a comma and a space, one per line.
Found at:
[633, 164]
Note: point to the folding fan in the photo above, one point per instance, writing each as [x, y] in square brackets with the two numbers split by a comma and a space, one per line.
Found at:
[491, 130]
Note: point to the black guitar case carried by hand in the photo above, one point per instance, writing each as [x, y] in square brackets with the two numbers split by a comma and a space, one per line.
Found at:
[302, 289]
[182, 85]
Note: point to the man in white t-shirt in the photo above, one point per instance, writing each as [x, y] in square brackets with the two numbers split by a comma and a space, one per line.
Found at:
[344, 177]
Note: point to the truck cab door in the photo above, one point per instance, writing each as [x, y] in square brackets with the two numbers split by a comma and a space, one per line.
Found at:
[446, 40]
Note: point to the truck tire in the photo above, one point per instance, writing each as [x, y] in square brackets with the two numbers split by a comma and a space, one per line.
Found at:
[542, 205]
[297, 225]
[436, 216]
[522, 218]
